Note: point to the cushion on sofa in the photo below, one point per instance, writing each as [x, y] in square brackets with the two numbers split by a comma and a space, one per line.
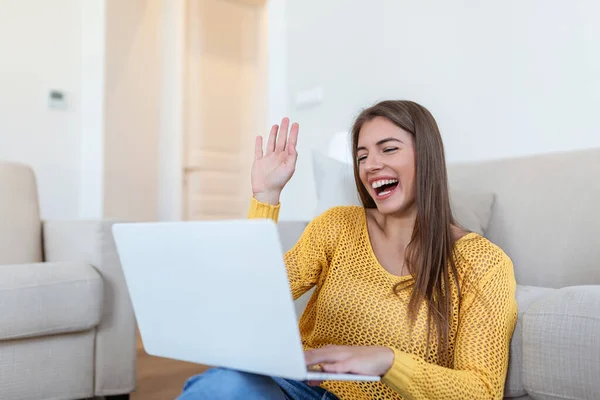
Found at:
[20, 224]
[48, 298]
[335, 186]
[526, 296]
[334, 183]
[561, 345]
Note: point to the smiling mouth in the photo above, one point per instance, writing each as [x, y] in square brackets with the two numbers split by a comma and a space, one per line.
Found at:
[385, 188]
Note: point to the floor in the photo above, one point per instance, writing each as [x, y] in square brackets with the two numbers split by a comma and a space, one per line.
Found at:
[160, 378]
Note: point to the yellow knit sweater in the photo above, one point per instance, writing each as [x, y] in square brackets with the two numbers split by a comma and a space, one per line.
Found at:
[353, 304]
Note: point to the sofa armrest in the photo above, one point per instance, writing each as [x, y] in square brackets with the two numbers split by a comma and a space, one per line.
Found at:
[290, 232]
[92, 242]
[43, 299]
[561, 344]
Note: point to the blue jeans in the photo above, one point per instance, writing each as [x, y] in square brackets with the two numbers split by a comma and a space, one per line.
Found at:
[222, 383]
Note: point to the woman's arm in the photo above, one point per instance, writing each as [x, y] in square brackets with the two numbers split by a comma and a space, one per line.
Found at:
[272, 169]
[310, 256]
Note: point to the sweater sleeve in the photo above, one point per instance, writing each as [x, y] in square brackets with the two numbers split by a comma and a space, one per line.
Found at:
[486, 324]
[260, 210]
[310, 256]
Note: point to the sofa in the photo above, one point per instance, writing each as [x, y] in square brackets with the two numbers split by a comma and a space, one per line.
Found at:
[67, 329]
[544, 212]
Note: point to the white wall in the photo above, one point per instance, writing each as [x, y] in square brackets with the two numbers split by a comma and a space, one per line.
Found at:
[172, 114]
[40, 49]
[99, 157]
[275, 32]
[93, 83]
[502, 78]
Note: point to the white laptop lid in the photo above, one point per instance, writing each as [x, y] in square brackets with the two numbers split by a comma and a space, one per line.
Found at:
[214, 293]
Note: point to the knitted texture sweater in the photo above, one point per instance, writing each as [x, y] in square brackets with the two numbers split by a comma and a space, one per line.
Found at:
[354, 304]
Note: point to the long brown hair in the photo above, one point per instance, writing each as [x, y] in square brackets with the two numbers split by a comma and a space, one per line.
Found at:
[429, 256]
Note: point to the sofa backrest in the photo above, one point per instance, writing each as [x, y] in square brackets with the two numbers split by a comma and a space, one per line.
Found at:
[20, 225]
[546, 214]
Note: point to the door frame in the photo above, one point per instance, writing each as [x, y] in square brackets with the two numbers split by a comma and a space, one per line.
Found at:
[172, 107]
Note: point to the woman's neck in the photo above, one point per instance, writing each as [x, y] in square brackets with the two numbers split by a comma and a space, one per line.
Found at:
[396, 227]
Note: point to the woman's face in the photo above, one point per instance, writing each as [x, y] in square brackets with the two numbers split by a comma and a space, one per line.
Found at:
[386, 165]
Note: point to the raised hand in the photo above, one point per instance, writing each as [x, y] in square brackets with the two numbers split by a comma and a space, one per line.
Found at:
[273, 169]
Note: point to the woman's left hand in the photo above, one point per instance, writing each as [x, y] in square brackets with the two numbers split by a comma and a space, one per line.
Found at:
[362, 360]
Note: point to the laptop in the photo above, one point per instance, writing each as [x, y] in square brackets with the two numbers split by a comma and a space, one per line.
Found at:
[215, 293]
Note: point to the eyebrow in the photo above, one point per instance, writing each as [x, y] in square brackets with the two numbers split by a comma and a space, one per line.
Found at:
[382, 141]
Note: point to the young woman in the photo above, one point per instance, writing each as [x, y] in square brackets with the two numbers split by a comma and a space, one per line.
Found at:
[402, 291]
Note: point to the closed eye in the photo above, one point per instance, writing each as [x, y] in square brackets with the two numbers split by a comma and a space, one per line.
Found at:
[389, 149]
[361, 158]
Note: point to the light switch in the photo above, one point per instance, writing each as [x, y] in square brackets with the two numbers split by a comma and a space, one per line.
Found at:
[309, 97]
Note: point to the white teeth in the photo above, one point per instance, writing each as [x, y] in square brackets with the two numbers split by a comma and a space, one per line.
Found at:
[384, 193]
[382, 182]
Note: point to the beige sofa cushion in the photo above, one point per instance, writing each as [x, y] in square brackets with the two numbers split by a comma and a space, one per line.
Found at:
[526, 296]
[546, 216]
[561, 345]
[48, 298]
[20, 226]
[48, 368]
[335, 186]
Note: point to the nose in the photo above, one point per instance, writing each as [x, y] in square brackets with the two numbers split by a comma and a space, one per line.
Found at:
[373, 163]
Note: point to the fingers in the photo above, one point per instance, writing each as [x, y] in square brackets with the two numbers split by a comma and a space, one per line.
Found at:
[282, 135]
[272, 137]
[258, 150]
[278, 138]
[341, 367]
[327, 354]
[293, 139]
